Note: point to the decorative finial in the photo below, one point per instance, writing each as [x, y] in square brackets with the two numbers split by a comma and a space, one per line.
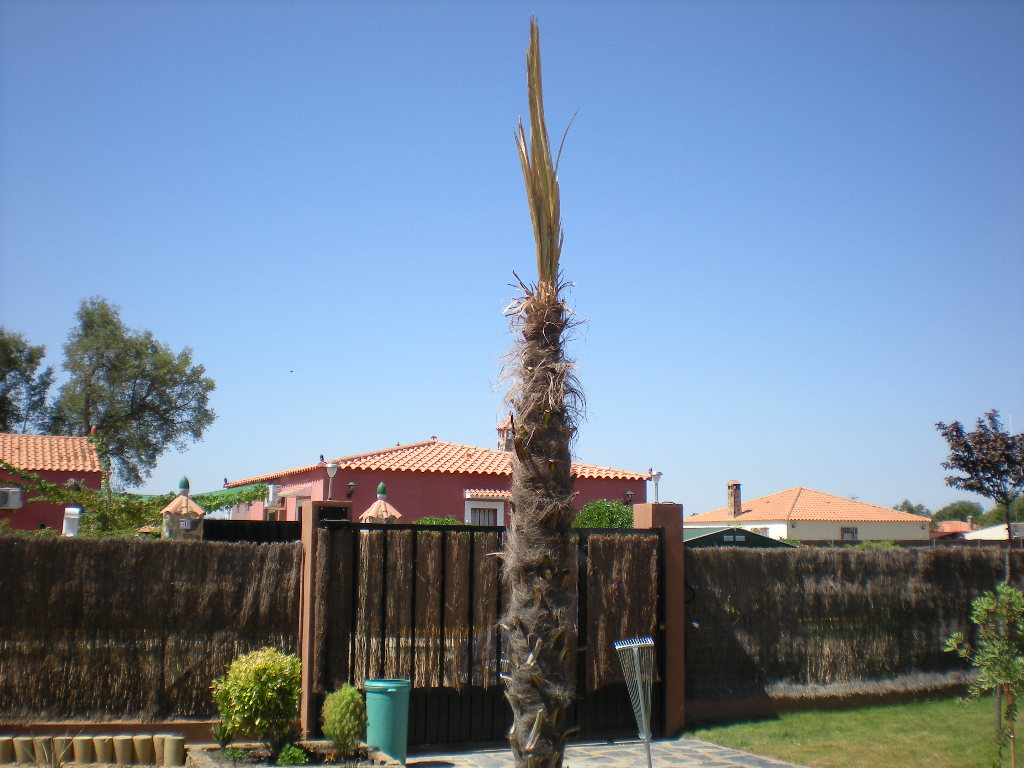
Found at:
[183, 487]
[382, 491]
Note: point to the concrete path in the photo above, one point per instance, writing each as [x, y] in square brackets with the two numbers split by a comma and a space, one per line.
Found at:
[686, 753]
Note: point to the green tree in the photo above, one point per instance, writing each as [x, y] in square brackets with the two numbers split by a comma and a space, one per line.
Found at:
[915, 509]
[997, 514]
[24, 388]
[959, 510]
[546, 401]
[141, 397]
[990, 462]
[602, 513]
[998, 654]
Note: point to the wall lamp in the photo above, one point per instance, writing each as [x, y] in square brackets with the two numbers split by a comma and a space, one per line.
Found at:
[351, 488]
[629, 497]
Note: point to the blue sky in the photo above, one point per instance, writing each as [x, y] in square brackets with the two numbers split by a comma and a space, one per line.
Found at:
[795, 229]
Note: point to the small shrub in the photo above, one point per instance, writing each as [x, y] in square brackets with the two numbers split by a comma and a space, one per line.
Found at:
[602, 513]
[222, 733]
[886, 544]
[292, 755]
[344, 720]
[449, 520]
[259, 695]
[998, 654]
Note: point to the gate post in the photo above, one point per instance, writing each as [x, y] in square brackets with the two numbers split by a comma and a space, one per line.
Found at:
[670, 518]
[307, 600]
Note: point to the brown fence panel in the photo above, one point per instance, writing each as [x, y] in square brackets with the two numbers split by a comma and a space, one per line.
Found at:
[128, 628]
[818, 622]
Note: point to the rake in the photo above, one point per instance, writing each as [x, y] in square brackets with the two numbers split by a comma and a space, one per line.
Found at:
[636, 655]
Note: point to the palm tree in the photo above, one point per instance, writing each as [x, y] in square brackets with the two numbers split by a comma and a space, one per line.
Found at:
[545, 399]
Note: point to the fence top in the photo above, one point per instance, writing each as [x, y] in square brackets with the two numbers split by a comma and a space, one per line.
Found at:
[470, 528]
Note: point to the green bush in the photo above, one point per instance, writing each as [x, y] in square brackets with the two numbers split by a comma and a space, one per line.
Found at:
[886, 544]
[292, 755]
[602, 513]
[259, 695]
[344, 720]
[449, 520]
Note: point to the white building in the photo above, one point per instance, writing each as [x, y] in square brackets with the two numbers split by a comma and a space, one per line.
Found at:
[809, 515]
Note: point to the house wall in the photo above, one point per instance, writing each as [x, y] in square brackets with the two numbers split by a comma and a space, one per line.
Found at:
[432, 494]
[52, 515]
[815, 530]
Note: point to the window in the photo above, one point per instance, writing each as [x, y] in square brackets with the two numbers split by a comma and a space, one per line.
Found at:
[762, 531]
[849, 534]
[483, 516]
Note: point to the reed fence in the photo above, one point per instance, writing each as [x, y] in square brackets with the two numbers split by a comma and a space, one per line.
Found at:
[812, 622]
[130, 628]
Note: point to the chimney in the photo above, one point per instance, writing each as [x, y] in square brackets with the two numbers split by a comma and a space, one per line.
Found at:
[735, 504]
[970, 522]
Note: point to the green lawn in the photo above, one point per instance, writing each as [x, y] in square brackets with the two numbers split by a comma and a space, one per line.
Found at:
[927, 734]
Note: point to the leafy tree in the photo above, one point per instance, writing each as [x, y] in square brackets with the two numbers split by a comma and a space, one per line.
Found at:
[990, 461]
[104, 512]
[141, 396]
[546, 401]
[23, 386]
[602, 513]
[999, 653]
[997, 514]
[959, 510]
[915, 509]
[108, 513]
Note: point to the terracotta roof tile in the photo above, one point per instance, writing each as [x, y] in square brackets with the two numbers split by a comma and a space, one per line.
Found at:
[441, 456]
[54, 453]
[183, 505]
[806, 504]
[487, 493]
[954, 526]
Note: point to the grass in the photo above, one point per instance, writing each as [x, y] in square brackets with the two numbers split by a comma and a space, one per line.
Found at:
[922, 734]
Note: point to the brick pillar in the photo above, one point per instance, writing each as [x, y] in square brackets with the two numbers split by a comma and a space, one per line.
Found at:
[670, 518]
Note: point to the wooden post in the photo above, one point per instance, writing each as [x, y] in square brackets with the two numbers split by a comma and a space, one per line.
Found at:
[669, 517]
[307, 602]
[310, 514]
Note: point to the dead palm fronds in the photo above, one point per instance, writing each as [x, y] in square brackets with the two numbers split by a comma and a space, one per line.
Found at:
[539, 560]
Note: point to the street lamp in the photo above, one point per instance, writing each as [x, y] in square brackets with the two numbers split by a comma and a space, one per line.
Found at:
[655, 476]
[332, 470]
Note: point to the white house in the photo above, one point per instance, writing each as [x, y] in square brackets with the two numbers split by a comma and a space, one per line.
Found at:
[809, 515]
[995, 532]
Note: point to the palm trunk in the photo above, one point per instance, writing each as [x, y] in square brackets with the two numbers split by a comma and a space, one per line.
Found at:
[539, 558]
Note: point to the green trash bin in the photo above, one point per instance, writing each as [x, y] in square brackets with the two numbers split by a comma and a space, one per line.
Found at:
[387, 716]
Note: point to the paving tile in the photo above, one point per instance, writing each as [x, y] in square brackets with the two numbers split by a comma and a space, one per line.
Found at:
[665, 754]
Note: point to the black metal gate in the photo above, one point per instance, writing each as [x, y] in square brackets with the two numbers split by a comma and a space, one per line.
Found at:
[422, 602]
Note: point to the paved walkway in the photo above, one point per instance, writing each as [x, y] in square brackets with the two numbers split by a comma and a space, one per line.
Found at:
[686, 753]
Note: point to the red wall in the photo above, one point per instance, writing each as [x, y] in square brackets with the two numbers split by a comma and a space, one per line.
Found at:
[31, 515]
[439, 494]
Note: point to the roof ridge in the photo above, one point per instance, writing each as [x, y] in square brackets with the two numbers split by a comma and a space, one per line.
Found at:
[789, 512]
[392, 449]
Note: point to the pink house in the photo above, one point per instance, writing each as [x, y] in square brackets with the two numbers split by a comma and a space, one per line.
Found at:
[433, 478]
[56, 458]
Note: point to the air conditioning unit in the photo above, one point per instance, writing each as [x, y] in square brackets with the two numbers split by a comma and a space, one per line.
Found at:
[10, 498]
